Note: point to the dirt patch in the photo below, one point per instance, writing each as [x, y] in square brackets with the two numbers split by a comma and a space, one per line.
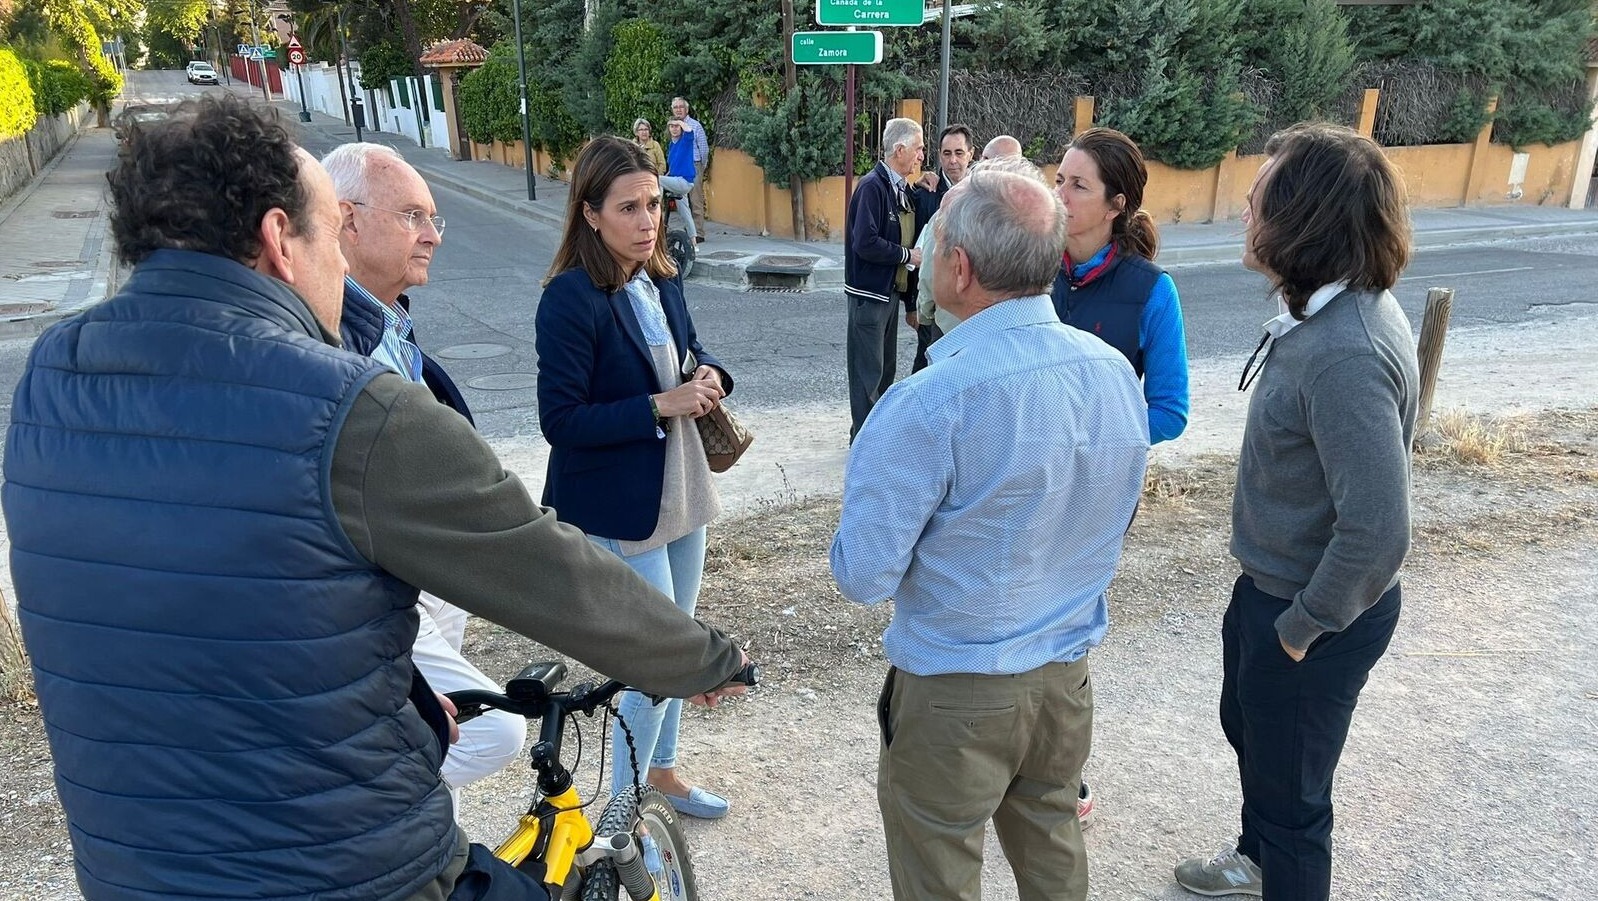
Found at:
[799, 757]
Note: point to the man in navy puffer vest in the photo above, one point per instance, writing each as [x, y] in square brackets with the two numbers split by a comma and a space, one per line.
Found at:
[219, 525]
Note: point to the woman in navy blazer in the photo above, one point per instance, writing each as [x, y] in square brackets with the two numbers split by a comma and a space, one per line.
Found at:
[621, 377]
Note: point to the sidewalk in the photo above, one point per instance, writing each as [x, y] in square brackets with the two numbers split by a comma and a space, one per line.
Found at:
[56, 254]
[729, 254]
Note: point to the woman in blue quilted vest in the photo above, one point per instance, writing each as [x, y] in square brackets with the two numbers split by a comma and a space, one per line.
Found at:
[1108, 283]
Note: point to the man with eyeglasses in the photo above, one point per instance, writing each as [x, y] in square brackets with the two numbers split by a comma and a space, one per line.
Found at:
[390, 230]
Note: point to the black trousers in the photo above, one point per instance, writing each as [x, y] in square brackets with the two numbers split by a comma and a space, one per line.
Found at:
[926, 333]
[487, 878]
[872, 354]
[1287, 722]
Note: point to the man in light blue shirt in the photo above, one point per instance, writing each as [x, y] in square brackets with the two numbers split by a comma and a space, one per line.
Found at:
[1030, 440]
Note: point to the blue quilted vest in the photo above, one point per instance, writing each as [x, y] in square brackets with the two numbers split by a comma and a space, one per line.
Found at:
[1110, 306]
[223, 677]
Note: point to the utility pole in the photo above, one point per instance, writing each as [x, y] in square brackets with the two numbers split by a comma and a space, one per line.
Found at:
[527, 126]
[356, 114]
[943, 72]
[790, 83]
[255, 38]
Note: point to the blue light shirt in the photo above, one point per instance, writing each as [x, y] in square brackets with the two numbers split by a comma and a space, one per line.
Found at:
[395, 350]
[1029, 440]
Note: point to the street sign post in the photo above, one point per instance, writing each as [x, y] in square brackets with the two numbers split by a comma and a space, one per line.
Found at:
[870, 13]
[297, 57]
[837, 48]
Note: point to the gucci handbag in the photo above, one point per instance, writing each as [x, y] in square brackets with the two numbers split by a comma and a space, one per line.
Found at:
[724, 437]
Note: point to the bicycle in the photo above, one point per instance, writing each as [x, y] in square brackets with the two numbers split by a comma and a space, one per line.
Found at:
[637, 843]
[678, 244]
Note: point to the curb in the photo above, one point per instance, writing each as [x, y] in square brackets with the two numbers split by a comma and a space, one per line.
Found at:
[524, 208]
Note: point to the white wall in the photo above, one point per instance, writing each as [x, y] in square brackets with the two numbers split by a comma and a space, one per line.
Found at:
[322, 95]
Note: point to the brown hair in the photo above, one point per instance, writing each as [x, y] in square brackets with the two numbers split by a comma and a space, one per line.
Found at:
[599, 164]
[1330, 209]
[1123, 172]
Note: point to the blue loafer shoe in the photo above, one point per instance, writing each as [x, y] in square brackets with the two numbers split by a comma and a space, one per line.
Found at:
[700, 803]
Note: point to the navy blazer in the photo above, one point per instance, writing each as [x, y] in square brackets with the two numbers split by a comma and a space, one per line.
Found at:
[607, 461]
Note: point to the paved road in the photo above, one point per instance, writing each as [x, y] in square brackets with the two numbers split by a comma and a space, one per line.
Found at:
[787, 349]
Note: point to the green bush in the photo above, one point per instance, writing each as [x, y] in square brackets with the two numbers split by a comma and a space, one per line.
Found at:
[1303, 46]
[384, 62]
[17, 110]
[638, 54]
[796, 134]
[58, 86]
[490, 105]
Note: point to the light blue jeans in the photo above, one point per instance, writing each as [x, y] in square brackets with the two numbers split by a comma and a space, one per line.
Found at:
[675, 570]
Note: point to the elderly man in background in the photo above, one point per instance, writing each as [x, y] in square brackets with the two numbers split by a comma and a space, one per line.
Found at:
[391, 229]
[997, 553]
[877, 260]
[1003, 145]
[701, 158]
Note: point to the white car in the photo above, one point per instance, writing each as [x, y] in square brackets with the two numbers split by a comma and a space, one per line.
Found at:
[201, 72]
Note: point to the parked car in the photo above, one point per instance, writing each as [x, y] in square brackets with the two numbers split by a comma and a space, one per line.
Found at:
[201, 72]
[134, 116]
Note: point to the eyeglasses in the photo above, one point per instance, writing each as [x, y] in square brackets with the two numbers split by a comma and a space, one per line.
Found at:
[413, 219]
[1250, 371]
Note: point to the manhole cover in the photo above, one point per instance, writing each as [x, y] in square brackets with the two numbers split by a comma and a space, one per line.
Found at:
[782, 265]
[721, 255]
[505, 381]
[75, 214]
[472, 351]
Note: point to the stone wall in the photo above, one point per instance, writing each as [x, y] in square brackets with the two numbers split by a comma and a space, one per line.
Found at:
[22, 157]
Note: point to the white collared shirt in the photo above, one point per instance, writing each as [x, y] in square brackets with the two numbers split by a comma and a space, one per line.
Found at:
[1284, 322]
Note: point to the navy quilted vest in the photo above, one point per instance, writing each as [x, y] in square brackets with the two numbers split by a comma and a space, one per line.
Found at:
[223, 677]
[1110, 306]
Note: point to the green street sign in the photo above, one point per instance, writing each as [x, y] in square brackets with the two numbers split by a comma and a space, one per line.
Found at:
[870, 12]
[837, 48]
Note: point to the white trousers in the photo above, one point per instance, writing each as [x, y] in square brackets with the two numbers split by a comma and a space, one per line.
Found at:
[487, 744]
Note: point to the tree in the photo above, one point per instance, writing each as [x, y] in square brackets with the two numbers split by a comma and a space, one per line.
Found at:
[633, 68]
[1303, 47]
[797, 133]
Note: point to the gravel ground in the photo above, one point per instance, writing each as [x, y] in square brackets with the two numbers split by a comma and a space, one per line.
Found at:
[1468, 775]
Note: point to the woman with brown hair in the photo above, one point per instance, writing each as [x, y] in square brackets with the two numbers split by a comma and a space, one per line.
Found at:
[1321, 514]
[1108, 283]
[621, 378]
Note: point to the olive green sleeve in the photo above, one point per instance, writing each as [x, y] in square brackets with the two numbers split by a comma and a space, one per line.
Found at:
[421, 495]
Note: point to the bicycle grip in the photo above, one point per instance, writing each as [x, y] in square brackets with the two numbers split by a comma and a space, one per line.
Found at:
[748, 675]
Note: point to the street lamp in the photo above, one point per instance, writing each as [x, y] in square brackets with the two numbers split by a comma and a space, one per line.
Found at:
[527, 126]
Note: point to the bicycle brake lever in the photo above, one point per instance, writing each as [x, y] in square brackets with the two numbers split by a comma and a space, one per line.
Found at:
[468, 712]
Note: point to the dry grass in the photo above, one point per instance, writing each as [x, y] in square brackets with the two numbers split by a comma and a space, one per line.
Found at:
[16, 678]
[1479, 440]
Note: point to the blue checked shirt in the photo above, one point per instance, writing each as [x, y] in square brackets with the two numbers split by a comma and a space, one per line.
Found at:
[988, 495]
[395, 350]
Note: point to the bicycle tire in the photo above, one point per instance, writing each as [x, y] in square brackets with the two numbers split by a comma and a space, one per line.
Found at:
[649, 817]
[681, 250]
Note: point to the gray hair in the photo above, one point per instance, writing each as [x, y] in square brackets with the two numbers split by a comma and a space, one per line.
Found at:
[1011, 227]
[1015, 165]
[349, 165]
[644, 122]
[900, 133]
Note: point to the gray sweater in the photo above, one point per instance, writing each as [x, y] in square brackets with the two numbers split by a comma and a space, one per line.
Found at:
[1321, 513]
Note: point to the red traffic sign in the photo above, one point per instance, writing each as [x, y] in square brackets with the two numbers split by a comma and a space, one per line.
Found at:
[294, 43]
[296, 55]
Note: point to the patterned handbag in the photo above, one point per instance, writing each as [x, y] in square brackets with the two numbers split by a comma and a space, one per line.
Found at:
[724, 437]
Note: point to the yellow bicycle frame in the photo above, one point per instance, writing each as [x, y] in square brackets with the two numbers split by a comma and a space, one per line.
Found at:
[570, 834]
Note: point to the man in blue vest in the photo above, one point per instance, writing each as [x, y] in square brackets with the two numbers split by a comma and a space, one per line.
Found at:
[220, 520]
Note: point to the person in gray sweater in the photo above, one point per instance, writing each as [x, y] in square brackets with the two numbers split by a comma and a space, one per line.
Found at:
[1321, 515]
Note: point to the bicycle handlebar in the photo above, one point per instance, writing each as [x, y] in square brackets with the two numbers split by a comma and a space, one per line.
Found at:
[585, 697]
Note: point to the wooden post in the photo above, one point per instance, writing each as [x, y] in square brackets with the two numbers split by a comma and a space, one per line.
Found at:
[1367, 111]
[790, 83]
[1083, 116]
[1433, 329]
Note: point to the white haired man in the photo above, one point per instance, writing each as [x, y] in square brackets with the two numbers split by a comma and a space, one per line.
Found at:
[878, 255]
[390, 229]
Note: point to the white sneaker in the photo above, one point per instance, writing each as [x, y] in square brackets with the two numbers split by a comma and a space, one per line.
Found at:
[1227, 873]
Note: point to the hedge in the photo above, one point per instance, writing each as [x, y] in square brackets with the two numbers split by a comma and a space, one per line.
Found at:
[17, 109]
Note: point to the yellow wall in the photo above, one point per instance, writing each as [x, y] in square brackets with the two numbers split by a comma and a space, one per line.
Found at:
[737, 194]
[1434, 174]
[1548, 174]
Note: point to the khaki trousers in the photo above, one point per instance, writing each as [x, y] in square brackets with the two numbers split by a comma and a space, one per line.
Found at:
[961, 749]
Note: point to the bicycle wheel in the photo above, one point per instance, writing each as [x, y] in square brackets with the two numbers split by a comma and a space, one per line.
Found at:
[653, 822]
[682, 251]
